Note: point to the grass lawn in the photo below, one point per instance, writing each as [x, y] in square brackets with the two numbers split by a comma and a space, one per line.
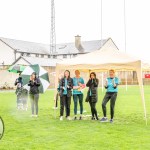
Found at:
[128, 132]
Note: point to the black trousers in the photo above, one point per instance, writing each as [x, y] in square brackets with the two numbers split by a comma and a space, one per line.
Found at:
[112, 97]
[93, 108]
[65, 102]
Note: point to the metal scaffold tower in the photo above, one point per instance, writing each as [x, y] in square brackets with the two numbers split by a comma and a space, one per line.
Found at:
[52, 32]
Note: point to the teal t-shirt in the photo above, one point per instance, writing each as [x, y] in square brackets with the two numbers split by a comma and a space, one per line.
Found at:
[75, 83]
[110, 87]
[65, 90]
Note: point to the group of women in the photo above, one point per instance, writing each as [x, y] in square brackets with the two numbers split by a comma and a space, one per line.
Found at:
[69, 87]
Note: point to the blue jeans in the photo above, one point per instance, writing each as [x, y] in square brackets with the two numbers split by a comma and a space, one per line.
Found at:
[75, 99]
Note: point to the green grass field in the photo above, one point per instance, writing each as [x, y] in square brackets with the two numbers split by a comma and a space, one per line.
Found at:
[128, 132]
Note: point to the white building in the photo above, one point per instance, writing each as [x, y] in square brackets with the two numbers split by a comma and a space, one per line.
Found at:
[12, 51]
[27, 53]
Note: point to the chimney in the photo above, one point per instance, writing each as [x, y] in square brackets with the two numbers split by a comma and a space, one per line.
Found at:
[78, 43]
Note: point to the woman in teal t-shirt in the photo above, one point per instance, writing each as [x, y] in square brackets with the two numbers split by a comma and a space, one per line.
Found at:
[111, 86]
[66, 85]
[78, 85]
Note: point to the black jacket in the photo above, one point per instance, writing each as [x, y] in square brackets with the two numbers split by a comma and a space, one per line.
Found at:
[69, 89]
[19, 80]
[93, 88]
[34, 86]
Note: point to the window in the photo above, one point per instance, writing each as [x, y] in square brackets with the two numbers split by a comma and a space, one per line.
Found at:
[74, 55]
[64, 56]
[54, 56]
[49, 56]
[37, 55]
[42, 55]
[63, 46]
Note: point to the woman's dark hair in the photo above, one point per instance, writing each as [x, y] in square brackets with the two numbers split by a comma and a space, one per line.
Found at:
[93, 74]
[34, 74]
[68, 72]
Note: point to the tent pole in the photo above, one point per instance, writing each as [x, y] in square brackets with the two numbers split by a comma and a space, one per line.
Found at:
[140, 80]
[145, 113]
[126, 81]
[89, 72]
[55, 93]
[102, 75]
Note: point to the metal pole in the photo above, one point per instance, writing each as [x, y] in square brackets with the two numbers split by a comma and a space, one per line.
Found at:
[125, 36]
[101, 21]
[126, 81]
[102, 81]
[52, 31]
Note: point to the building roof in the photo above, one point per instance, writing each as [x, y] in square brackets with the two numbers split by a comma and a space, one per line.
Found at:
[37, 60]
[65, 48]
[25, 46]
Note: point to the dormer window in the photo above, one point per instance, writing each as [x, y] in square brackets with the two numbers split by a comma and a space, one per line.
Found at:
[63, 46]
[28, 54]
[22, 54]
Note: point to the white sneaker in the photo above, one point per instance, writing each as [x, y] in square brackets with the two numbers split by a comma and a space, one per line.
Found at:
[55, 108]
[36, 116]
[68, 118]
[61, 118]
[32, 115]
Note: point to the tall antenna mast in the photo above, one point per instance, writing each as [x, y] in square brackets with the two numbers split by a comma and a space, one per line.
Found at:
[52, 32]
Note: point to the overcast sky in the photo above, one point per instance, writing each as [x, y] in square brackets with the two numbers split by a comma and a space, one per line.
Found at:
[30, 20]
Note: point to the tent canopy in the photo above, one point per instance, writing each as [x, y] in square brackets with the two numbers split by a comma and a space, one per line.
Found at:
[104, 59]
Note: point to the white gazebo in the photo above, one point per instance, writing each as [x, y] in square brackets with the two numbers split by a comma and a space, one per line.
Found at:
[102, 60]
